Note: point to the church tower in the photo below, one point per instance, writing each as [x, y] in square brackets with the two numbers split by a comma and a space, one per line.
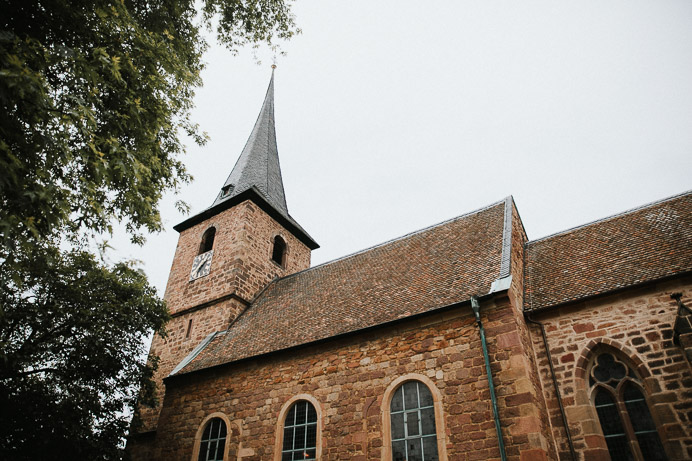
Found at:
[229, 252]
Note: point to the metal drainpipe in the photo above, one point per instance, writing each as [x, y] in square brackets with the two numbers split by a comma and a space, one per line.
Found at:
[557, 389]
[476, 310]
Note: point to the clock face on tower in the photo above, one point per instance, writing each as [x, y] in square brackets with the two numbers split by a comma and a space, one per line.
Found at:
[201, 265]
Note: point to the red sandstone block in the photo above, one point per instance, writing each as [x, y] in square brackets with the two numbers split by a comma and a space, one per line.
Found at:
[518, 399]
[583, 327]
[533, 455]
[567, 358]
[507, 340]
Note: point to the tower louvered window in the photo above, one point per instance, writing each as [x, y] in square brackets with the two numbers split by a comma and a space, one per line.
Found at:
[300, 432]
[626, 421]
[412, 414]
[213, 443]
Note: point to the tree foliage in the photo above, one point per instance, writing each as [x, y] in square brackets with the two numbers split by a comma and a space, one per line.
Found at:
[70, 331]
[94, 98]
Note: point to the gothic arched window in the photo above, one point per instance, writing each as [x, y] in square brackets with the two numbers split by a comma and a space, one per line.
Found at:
[279, 251]
[207, 240]
[626, 421]
[300, 432]
[213, 442]
[412, 414]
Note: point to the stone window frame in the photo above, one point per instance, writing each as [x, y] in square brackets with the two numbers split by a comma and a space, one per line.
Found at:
[286, 407]
[200, 432]
[585, 395]
[387, 421]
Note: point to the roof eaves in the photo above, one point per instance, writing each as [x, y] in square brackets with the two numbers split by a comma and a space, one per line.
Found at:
[388, 323]
[256, 196]
[628, 286]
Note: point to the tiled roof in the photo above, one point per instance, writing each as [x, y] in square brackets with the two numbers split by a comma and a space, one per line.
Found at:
[637, 246]
[429, 269]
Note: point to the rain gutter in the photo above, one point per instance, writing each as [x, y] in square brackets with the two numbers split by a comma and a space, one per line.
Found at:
[493, 398]
[557, 388]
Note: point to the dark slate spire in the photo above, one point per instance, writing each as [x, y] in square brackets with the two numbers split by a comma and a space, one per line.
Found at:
[256, 176]
[258, 164]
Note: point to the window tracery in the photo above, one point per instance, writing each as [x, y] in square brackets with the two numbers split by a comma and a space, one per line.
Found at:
[626, 422]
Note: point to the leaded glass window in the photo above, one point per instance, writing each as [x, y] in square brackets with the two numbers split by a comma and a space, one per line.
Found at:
[412, 414]
[213, 443]
[300, 432]
[622, 410]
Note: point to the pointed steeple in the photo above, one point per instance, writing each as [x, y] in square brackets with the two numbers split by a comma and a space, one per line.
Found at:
[258, 164]
[256, 176]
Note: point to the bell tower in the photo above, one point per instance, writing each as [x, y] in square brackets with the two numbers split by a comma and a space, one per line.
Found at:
[229, 252]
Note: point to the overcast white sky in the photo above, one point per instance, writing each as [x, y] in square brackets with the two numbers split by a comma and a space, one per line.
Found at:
[395, 115]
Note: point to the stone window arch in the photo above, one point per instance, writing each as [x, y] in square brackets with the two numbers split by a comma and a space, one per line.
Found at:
[413, 420]
[619, 398]
[207, 243]
[299, 430]
[212, 441]
[279, 251]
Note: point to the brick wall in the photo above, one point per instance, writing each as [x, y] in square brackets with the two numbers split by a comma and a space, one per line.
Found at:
[638, 324]
[347, 377]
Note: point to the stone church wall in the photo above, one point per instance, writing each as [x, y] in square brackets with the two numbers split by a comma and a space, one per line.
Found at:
[347, 378]
[241, 266]
[637, 326]
[242, 261]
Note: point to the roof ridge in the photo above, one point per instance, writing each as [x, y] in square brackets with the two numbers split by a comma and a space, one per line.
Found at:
[613, 216]
[396, 239]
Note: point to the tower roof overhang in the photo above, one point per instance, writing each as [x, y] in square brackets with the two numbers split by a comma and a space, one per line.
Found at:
[254, 195]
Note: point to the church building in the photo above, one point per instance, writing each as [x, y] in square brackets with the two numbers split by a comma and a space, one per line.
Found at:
[461, 341]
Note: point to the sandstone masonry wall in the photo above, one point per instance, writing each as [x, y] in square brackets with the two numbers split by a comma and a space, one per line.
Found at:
[242, 261]
[347, 378]
[639, 324]
[241, 266]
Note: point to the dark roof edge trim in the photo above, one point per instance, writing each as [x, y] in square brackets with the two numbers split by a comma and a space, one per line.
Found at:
[255, 196]
[436, 310]
[607, 218]
[617, 290]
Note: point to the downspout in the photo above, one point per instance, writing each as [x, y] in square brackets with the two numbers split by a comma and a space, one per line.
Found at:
[557, 389]
[476, 310]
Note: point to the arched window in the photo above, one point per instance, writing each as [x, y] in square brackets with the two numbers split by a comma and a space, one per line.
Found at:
[279, 251]
[412, 416]
[300, 432]
[207, 240]
[622, 410]
[213, 442]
